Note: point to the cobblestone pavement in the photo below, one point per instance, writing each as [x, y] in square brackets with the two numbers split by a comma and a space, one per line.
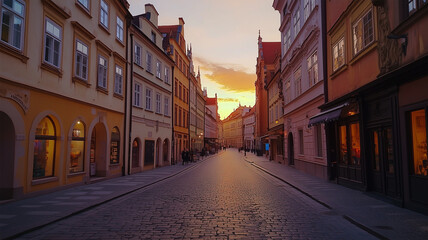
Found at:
[222, 198]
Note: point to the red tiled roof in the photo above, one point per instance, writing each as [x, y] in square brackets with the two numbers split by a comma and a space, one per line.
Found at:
[211, 101]
[269, 51]
[168, 29]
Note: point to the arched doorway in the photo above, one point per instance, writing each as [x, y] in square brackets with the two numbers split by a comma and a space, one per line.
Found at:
[158, 152]
[290, 149]
[7, 156]
[149, 158]
[165, 153]
[98, 151]
[136, 153]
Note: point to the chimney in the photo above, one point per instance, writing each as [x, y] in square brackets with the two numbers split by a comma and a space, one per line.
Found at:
[153, 13]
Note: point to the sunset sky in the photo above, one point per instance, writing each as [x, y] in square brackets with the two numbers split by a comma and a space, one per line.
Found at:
[223, 34]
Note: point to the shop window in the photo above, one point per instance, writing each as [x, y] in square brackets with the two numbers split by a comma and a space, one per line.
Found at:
[343, 145]
[44, 149]
[135, 153]
[77, 154]
[12, 22]
[354, 135]
[349, 140]
[115, 146]
[419, 142]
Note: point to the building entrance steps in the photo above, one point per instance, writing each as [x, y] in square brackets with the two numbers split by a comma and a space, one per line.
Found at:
[22, 216]
[381, 219]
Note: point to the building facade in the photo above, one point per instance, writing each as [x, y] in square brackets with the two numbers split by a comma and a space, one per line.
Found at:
[211, 126]
[233, 128]
[196, 105]
[249, 121]
[151, 96]
[378, 138]
[303, 84]
[175, 43]
[64, 55]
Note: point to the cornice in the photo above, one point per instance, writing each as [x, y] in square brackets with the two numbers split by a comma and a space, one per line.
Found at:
[103, 46]
[82, 29]
[63, 12]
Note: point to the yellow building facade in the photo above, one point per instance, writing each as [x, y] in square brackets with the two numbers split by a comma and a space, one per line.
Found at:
[62, 81]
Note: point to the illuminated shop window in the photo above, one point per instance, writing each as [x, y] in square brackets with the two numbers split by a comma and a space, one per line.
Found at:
[115, 146]
[350, 148]
[135, 153]
[419, 142]
[44, 149]
[77, 154]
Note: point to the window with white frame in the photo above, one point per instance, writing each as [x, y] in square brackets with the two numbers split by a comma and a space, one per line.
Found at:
[296, 21]
[158, 69]
[53, 39]
[12, 22]
[309, 5]
[167, 75]
[362, 32]
[298, 81]
[149, 99]
[339, 54]
[158, 103]
[137, 94]
[166, 106]
[137, 55]
[119, 29]
[102, 72]
[84, 3]
[104, 13]
[81, 61]
[118, 80]
[149, 61]
[313, 69]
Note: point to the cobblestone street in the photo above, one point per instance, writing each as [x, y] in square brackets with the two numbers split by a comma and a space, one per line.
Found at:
[221, 198]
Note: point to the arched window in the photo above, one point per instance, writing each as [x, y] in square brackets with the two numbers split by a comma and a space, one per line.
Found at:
[77, 153]
[115, 146]
[135, 153]
[44, 149]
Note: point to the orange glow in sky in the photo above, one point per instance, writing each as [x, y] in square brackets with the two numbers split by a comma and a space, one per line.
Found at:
[223, 34]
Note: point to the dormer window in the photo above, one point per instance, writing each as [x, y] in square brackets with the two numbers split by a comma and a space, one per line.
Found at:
[153, 37]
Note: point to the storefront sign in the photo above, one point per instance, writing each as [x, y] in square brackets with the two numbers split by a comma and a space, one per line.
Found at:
[21, 97]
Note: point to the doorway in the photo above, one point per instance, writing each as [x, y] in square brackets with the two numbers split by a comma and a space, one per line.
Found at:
[98, 149]
[7, 156]
[149, 154]
[290, 149]
[382, 170]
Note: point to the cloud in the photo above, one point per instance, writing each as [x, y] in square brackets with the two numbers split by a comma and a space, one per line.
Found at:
[228, 100]
[231, 78]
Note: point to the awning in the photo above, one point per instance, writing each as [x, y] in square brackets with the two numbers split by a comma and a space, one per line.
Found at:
[327, 116]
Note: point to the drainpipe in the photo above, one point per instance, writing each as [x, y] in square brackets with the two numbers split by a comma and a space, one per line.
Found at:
[126, 105]
[172, 117]
[130, 105]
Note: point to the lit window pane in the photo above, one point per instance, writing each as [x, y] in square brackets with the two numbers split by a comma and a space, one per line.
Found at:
[419, 142]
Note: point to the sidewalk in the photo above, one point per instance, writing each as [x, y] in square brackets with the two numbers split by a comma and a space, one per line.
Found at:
[25, 215]
[384, 220]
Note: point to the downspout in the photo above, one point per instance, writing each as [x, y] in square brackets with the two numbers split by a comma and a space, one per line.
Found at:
[130, 105]
[172, 116]
[126, 104]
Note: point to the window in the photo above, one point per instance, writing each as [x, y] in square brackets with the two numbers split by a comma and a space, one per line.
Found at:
[166, 106]
[149, 99]
[180, 92]
[158, 69]
[44, 149]
[179, 117]
[309, 6]
[81, 64]
[318, 140]
[287, 41]
[313, 69]
[137, 53]
[104, 13]
[119, 29]
[115, 146]
[12, 22]
[349, 140]
[298, 81]
[175, 115]
[270, 115]
[77, 153]
[137, 95]
[301, 142]
[339, 54]
[53, 35]
[149, 61]
[287, 93]
[296, 21]
[167, 75]
[118, 80]
[84, 3]
[419, 142]
[158, 103]
[176, 88]
[102, 72]
[362, 32]
[153, 37]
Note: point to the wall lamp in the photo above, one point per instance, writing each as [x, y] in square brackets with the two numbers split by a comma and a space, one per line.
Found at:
[403, 42]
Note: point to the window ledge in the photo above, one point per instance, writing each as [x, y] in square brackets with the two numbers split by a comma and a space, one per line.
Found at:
[139, 107]
[76, 174]
[338, 71]
[81, 81]
[104, 28]
[117, 95]
[363, 52]
[148, 110]
[102, 90]
[158, 113]
[51, 68]
[149, 72]
[5, 48]
[120, 42]
[84, 10]
[44, 180]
